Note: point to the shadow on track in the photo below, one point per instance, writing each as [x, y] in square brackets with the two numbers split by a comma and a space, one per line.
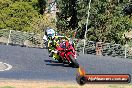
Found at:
[55, 63]
[51, 61]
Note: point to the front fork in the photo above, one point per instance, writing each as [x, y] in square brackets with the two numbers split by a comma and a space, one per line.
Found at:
[68, 58]
[75, 56]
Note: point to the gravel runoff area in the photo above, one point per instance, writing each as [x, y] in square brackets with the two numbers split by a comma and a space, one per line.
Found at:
[55, 84]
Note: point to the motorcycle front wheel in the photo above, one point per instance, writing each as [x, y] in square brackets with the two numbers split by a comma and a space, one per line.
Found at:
[74, 61]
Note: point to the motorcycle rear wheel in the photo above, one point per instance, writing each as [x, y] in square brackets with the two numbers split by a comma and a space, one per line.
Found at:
[60, 60]
[57, 57]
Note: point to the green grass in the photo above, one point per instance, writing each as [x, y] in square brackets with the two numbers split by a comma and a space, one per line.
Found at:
[7, 87]
[116, 86]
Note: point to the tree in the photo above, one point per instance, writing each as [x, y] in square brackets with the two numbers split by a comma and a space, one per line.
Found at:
[23, 15]
[17, 16]
[67, 15]
[107, 23]
[42, 6]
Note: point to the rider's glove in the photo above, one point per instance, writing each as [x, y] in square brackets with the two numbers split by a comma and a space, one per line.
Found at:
[54, 51]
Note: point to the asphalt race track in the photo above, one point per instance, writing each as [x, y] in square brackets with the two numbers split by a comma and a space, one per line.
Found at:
[34, 64]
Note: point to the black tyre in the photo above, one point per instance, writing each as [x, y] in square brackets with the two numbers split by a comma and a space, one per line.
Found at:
[74, 62]
[60, 60]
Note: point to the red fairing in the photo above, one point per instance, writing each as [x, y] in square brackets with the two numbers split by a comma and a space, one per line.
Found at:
[65, 52]
[59, 48]
[71, 51]
[60, 51]
[67, 55]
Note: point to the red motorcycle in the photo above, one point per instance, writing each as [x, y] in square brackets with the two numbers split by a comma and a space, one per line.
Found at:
[68, 53]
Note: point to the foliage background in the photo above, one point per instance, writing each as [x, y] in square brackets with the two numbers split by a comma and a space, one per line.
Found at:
[107, 21]
[24, 15]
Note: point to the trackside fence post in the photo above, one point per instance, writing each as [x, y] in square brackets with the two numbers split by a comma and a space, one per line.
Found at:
[9, 37]
[126, 46]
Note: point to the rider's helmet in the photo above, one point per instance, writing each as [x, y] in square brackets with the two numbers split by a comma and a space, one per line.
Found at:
[63, 44]
[50, 33]
[56, 33]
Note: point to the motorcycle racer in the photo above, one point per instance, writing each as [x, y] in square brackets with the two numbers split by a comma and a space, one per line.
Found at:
[54, 42]
[62, 45]
[52, 45]
[67, 53]
[49, 33]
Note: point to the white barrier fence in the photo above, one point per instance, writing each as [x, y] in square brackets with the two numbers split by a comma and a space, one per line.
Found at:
[21, 38]
[108, 49]
[11, 37]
